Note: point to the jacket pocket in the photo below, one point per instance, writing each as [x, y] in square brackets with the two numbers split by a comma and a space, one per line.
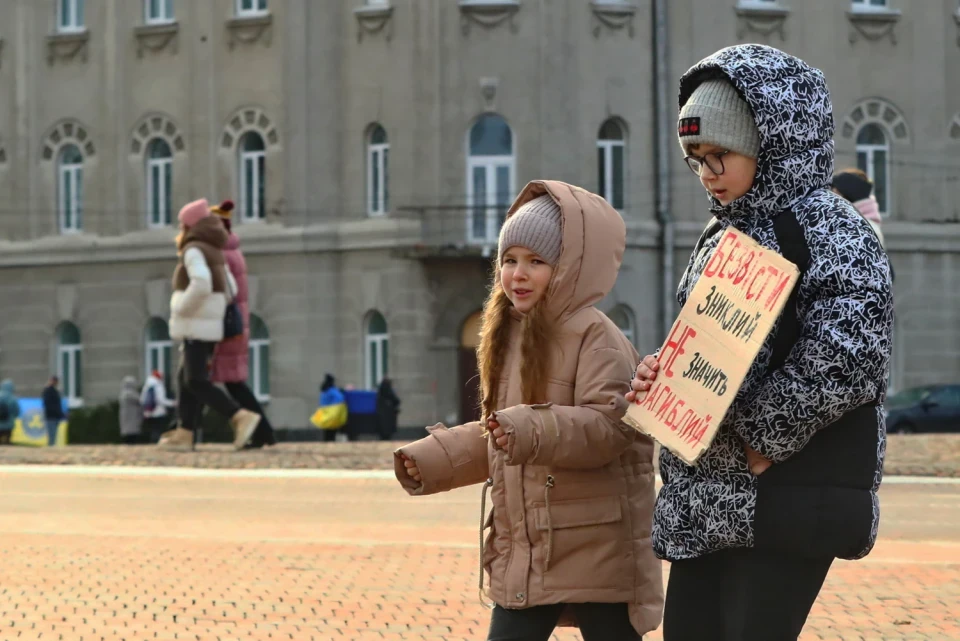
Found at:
[587, 544]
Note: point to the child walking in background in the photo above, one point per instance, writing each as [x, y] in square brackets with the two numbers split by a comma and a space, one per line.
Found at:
[571, 486]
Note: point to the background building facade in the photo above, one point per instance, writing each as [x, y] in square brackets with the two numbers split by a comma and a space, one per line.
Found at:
[372, 149]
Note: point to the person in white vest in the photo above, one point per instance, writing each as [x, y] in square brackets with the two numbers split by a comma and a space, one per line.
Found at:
[202, 289]
[154, 401]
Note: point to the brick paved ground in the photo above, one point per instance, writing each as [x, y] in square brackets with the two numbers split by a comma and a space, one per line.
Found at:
[112, 557]
[914, 454]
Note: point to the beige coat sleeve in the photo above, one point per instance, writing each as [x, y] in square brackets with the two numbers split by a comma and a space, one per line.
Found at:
[447, 459]
[589, 434]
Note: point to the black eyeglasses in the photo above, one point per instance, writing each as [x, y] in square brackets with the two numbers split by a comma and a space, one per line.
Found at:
[713, 161]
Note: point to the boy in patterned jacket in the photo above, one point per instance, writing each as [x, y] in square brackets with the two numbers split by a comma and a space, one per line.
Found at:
[790, 481]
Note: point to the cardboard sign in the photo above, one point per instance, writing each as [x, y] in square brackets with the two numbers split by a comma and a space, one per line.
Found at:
[713, 343]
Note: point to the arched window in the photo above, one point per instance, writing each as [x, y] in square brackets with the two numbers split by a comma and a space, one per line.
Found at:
[622, 317]
[69, 363]
[159, 351]
[378, 173]
[377, 350]
[258, 376]
[70, 189]
[490, 177]
[873, 157]
[611, 152]
[252, 177]
[159, 183]
[251, 8]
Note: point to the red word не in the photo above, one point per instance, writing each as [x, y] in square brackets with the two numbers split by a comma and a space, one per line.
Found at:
[734, 262]
[679, 335]
[667, 406]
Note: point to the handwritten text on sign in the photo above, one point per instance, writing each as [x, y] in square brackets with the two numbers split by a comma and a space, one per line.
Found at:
[713, 343]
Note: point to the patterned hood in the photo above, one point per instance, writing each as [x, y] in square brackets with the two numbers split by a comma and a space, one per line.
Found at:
[791, 106]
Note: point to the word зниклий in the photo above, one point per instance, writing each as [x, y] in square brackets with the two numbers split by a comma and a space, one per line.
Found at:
[666, 405]
[740, 324]
[741, 268]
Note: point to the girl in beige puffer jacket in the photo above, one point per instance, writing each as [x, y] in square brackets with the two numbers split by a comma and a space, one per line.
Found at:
[571, 486]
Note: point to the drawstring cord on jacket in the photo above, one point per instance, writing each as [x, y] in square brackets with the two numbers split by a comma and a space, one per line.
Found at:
[483, 512]
[546, 499]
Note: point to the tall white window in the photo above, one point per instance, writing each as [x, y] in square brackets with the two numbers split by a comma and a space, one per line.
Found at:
[159, 183]
[258, 376]
[611, 150]
[252, 177]
[622, 317]
[869, 4]
[490, 177]
[158, 11]
[159, 351]
[378, 176]
[70, 16]
[69, 363]
[377, 350]
[251, 8]
[873, 158]
[70, 189]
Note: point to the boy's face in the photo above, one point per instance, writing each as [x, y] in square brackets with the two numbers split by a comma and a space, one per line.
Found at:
[524, 277]
[738, 172]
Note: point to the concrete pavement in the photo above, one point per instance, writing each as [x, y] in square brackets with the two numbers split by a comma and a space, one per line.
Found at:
[118, 553]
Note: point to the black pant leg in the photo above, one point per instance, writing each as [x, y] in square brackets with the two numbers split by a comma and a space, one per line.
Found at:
[605, 622]
[529, 624]
[692, 610]
[775, 593]
[245, 397]
[189, 407]
[329, 435]
[197, 355]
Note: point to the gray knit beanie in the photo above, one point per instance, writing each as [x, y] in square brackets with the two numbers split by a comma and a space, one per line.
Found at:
[715, 114]
[536, 225]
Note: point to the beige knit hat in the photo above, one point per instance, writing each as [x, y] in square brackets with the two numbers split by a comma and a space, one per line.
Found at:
[715, 114]
[536, 226]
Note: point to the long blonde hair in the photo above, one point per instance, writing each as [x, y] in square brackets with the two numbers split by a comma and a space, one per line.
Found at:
[536, 332]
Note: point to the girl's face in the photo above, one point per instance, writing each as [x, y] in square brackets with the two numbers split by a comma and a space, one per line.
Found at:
[736, 172]
[524, 277]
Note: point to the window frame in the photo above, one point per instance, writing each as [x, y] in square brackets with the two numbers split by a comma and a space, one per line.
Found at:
[606, 146]
[868, 5]
[378, 194]
[166, 16]
[72, 353]
[258, 8]
[71, 173]
[164, 167]
[77, 18]
[492, 210]
[378, 343]
[253, 212]
[258, 356]
[869, 151]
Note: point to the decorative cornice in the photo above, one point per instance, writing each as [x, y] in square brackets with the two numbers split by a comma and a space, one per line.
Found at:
[156, 37]
[250, 30]
[873, 24]
[373, 20]
[488, 13]
[613, 15]
[67, 46]
[762, 20]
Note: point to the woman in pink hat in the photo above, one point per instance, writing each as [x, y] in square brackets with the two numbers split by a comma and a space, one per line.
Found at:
[202, 289]
[231, 358]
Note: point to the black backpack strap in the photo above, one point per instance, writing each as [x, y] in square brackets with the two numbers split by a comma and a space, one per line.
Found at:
[793, 247]
[712, 229]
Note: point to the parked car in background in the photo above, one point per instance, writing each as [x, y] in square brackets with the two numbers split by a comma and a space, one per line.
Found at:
[932, 408]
